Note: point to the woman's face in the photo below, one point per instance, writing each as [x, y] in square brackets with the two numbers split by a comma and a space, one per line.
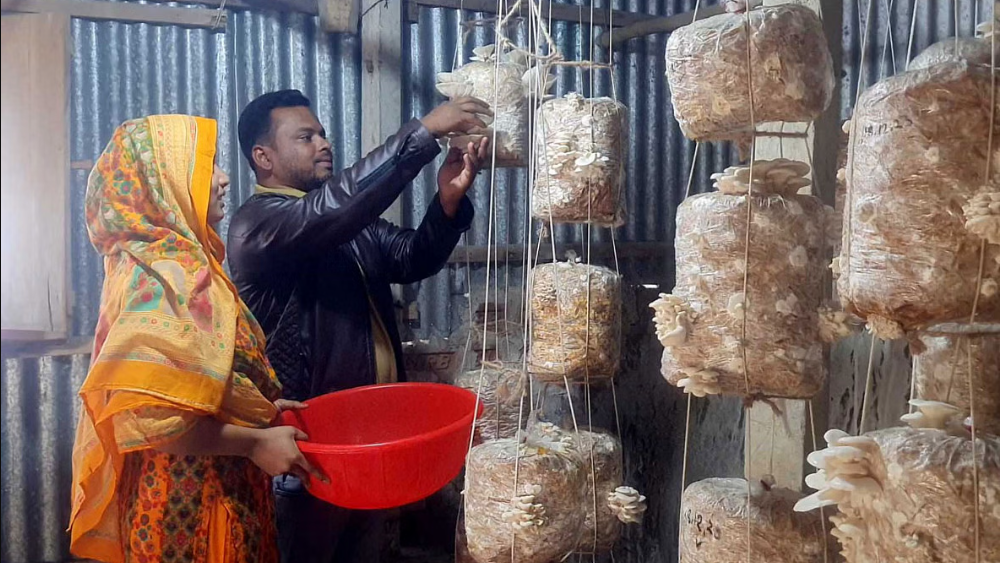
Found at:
[217, 198]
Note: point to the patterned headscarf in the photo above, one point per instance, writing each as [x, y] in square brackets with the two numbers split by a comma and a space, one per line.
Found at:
[173, 342]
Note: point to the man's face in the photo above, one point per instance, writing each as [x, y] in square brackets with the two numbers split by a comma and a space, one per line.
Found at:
[301, 155]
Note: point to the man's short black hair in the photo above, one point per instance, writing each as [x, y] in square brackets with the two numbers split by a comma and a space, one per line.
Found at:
[255, 119]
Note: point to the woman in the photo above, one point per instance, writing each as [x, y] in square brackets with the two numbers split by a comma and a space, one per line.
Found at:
[174, 445]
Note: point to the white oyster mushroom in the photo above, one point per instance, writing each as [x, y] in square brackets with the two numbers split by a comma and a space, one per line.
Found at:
[524, 512]
[736, 305]
[454, 89]
[532, 82]
[780, 176]
[844, 475]
[672, 320]
[989, 287]
[553, 438]
[627, 505]
[484, 53]
[834, 435]
[982, 216]
[935, 414]
[835, 266]
[586, 159]
[700, 382]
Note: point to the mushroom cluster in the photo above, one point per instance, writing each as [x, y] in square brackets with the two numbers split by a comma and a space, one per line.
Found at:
[706, 67]
[917, 211]
[982, 215]
[780, 176]
[508, 82]
[671, 319]
[580, 158]
[906, 494]
[524, 512]
[523, 500]
[627, 505]
[701, 322]
[575, 322]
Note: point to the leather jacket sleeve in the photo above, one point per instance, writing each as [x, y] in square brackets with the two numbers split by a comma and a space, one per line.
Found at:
[285, 231]
[413, 255]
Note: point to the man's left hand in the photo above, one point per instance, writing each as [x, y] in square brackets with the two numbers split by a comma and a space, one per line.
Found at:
[458, 172]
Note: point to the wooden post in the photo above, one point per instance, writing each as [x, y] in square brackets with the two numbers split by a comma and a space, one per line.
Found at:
[778, 444]
[381, 116]
[381, 75]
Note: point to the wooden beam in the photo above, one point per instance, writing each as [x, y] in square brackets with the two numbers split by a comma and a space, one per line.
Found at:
[559, 12]
[122, 11]
[827, 130]
[652, 26]
[515, 253]
[288, 6]
[33, 347]
[657, 25]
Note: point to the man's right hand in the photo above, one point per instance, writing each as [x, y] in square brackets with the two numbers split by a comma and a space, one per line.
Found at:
[276, 452]
[460, 115]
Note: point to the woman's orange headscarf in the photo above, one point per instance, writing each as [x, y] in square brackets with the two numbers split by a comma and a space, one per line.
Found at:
[173, 341]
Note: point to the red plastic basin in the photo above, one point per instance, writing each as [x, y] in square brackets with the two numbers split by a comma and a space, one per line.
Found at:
[385, 446]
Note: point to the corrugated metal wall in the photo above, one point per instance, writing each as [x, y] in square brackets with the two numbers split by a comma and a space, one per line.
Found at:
[122, 71]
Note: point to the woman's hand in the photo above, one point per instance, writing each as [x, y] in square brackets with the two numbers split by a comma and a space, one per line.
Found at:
[275, 451]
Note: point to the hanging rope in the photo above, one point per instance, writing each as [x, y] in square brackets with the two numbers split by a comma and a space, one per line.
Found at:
[888, 42]
[746, 272]
[913, 25]
[909, 52]
[687, 418]
[849, 204]
[979, 283]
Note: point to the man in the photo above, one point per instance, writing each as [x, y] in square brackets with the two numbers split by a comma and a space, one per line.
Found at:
[314, 262]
